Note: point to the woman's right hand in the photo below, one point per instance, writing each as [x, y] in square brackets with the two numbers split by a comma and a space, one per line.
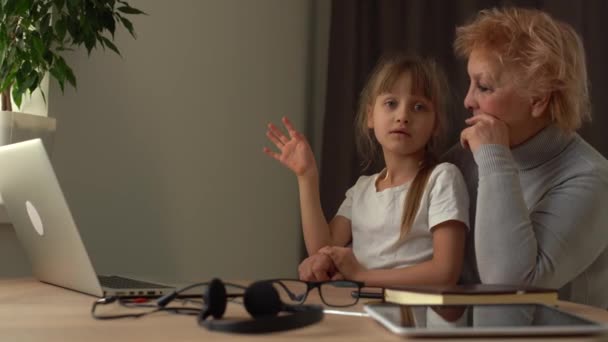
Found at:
[484, 129]
[295, 152]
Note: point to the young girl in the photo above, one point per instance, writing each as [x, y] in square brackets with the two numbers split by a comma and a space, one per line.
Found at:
[406, 224]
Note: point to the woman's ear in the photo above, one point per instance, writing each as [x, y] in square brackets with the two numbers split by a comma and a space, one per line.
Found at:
[539, 105]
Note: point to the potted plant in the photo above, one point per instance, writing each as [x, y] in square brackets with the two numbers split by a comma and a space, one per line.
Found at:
[33, 34]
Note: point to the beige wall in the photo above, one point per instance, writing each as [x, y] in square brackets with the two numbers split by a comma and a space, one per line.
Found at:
[160, 153]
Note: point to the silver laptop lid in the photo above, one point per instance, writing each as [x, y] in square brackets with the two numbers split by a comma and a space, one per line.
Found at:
[42, 220]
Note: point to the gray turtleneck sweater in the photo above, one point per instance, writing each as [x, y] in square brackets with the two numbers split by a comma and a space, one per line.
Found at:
[541, 216]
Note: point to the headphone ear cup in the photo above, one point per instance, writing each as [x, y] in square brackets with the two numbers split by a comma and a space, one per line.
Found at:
[263, 303]
[215, 300]
[262, 299]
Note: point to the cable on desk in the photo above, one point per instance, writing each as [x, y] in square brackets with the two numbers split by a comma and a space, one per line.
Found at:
[161, 304]
[135, 304]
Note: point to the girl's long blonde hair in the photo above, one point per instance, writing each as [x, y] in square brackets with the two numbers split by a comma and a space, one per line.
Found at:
[429, 81]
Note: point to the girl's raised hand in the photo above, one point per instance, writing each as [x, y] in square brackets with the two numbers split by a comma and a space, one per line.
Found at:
[294, 151]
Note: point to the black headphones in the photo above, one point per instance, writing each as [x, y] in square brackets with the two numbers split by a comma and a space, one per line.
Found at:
[263, 303]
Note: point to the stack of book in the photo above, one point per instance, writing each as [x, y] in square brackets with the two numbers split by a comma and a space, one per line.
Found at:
[469, 294]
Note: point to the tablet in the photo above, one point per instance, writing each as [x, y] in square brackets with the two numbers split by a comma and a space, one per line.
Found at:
[481, 320]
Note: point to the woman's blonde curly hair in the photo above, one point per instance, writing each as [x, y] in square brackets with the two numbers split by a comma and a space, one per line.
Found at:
[546, 56]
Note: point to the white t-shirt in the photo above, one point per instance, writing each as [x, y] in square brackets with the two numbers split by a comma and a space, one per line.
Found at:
[376, 216]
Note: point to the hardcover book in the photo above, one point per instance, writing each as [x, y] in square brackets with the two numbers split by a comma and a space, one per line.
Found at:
[469, 294]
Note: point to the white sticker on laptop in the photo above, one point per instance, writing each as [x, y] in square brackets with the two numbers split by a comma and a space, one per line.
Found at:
[34, 217]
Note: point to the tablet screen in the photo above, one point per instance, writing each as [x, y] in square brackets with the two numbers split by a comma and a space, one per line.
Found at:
[505, 319]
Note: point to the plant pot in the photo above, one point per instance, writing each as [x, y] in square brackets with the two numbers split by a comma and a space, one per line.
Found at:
[15, 127]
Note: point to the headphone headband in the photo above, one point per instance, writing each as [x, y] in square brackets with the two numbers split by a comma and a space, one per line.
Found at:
[306, 315]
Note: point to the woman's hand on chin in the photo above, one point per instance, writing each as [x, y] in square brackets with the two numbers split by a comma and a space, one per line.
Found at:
[484, 129]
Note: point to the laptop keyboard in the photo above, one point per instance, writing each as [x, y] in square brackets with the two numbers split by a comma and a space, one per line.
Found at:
[116, 282]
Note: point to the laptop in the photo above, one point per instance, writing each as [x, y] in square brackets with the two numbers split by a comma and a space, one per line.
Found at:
[44, 225]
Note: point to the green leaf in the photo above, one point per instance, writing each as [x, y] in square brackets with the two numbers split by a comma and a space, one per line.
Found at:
[48, 57]
[60, 29]
[17, 95]
[31, 82]
[65, 71]
[110, 45]
[45, 22]
[34, 32]
[127, 23]
[89, 41]
[70, 76]
[45, 7]
[38, 47]
[74, 30]
[7, 81]
[9, 6]
[2, 53]
[25, 69]
[59, 76]
[43, 95]
[59, 4]
[129, 10]
[109, 22]
[22, 6]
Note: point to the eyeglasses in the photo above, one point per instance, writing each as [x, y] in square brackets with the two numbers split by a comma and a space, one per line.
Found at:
[336, 293]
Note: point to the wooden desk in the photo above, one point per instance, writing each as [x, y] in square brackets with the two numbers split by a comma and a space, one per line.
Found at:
[32, 311]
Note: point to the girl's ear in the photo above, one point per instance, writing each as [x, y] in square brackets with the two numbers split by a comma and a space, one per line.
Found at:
[539, 105]
[370, 117]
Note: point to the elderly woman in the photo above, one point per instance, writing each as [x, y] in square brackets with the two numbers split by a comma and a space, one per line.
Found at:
[540, 190]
